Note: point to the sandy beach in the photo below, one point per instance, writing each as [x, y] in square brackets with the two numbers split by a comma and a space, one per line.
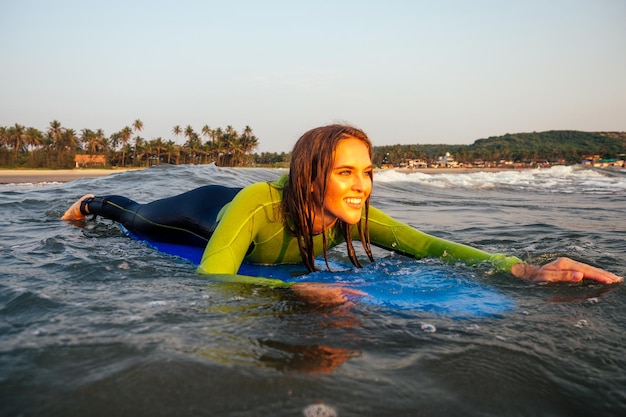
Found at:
[22, 176]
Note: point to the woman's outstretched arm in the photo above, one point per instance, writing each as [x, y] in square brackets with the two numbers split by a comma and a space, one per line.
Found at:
[394, 235]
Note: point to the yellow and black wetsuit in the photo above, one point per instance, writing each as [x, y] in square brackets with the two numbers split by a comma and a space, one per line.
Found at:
[237, 225]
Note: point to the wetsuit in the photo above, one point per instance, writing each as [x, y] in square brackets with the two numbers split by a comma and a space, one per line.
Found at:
[238, 225]
[188, 219]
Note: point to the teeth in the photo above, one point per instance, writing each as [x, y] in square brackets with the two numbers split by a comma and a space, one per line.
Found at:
[354, 200]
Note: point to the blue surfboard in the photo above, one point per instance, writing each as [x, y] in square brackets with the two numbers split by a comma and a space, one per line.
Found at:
[392, 283]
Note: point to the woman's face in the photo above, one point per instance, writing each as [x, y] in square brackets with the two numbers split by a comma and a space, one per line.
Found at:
[349, 184]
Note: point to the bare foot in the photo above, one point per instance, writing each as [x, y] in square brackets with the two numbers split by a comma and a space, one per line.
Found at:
[73, 213]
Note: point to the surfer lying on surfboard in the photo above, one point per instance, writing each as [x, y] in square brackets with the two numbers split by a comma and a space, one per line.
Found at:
[324, 201]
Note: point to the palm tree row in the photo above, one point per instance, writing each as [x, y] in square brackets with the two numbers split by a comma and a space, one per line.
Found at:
[22, 146]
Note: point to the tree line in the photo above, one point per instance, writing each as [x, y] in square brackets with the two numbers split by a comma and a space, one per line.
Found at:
[57, 146]
[563, 146]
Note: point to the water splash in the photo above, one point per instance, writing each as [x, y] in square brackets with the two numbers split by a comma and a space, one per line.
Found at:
[319, 410]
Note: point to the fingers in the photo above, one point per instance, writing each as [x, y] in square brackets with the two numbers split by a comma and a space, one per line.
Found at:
[558, 276]
[565, 270]
[585, 271]
[604, 277]
[350, 291]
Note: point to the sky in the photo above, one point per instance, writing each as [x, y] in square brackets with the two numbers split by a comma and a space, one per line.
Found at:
[406, 72]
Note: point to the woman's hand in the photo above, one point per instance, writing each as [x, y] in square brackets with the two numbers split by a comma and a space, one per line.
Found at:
[564, 270]
[325, 294]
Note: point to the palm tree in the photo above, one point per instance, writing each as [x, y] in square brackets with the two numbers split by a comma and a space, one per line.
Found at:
[158, 146]
[3, 136]
[57, 144]
[54, 137]
[89, 140]
[172, 149]
[232, 144]
[69, 144]
[113, 144]
[248, 141]
[143, 150]
[193, 144]
[212, 152]
[139, 150]
[4, 142]
[127, 149]
[124, 136]
[137, 126]
[189, 133]
[17, 139]
[207, 131]
[34, 139]
[220, 147]
[177, 131]
[102, 141]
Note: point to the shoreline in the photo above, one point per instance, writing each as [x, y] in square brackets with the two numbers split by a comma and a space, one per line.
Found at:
[34, 176]
[455, 170]
[27, 176]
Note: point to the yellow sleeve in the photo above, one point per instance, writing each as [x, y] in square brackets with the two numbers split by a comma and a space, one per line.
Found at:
[389, 233]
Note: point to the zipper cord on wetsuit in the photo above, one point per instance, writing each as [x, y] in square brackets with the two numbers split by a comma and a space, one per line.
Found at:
[166, 226]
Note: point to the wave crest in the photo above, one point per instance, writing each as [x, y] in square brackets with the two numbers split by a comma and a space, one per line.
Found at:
[559, 179]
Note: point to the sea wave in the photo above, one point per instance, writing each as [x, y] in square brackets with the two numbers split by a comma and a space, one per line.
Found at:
[556, 179]
[88, 315]
[574, 179]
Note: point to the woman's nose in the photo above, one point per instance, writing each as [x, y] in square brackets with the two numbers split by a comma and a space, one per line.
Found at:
[359, 183]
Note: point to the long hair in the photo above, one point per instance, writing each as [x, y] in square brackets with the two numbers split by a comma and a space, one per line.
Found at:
[309, 171]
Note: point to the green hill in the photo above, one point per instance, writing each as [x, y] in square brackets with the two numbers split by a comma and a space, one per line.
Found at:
[567, 145]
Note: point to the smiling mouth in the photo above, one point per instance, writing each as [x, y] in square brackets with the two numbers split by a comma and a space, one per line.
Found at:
[354, 201]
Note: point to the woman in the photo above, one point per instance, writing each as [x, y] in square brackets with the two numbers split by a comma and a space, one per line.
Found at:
[323, 202]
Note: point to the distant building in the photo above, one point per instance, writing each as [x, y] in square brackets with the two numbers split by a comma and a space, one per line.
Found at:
[590, 159]
[598, 162]
[479, 163]
[416, 164]
[605, 163]
[446, 161]
[90, 160]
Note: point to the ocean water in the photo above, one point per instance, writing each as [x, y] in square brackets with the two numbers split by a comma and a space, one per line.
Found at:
[93, 323]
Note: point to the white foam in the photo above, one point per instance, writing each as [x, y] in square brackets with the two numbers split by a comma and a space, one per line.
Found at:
[319, 410]
[567, 179]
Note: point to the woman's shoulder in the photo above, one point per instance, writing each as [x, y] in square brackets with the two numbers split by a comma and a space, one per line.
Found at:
[255, 198]
[261, 192]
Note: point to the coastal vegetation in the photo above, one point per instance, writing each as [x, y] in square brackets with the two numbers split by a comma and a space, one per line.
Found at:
[58, 146]
[531, 149]
[62, 147]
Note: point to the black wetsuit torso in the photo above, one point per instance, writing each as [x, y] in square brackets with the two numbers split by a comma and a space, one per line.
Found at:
[188, 219]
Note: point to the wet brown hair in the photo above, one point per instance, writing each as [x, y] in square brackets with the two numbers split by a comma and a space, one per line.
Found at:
[310, 167]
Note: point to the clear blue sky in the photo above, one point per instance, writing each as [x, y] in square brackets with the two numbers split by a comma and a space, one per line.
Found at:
[405, 71]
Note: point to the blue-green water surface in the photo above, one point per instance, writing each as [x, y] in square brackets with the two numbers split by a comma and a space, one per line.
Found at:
[93, 323]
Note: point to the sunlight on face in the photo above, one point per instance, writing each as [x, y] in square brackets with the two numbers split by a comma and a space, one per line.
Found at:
[349, 184]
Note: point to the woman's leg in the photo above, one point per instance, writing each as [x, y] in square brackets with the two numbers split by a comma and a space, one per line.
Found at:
[189, 218]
